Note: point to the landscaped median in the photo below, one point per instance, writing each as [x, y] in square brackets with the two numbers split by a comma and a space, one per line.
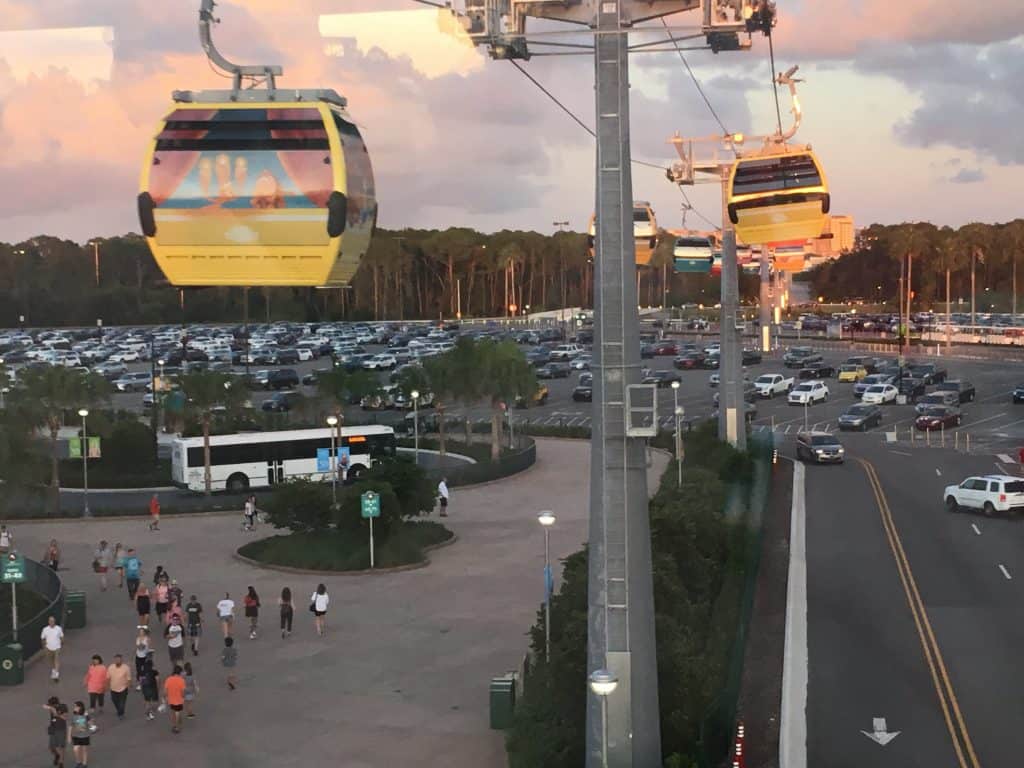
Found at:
[323, 535]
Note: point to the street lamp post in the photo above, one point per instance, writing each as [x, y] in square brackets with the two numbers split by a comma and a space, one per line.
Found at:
[603, 682]
[679, 445]
[415, 394]
[547, 519]
[83, 412]
[677, 411]
[332, 422]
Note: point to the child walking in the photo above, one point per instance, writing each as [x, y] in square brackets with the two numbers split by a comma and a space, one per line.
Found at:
[191, 689]
[229, 660]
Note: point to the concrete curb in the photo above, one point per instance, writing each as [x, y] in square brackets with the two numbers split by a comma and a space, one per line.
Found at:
[154, 489]
[367, 572]
[113, 518]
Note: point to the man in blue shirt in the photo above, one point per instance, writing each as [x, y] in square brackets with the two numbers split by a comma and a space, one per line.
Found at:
[132, 572]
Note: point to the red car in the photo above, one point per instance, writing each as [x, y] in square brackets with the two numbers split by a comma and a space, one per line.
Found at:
[665, 348]
[937, 417]
[689, 361]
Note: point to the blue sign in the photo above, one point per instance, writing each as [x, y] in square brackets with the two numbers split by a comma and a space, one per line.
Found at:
[323, 459]
[549, 583]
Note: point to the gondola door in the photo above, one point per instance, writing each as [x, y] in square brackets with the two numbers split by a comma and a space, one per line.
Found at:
[275, 472]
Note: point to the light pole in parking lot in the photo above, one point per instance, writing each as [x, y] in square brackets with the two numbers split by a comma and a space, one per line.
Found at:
[332, 422]
[415, 395]
[83, 412]
[547, 519]
[677, 411]
[679, 445]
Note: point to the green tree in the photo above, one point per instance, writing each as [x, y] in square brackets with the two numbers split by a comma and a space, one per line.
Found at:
[504, 373]
[45, 395]
[205, 393]
[339, 386]
[301, 506]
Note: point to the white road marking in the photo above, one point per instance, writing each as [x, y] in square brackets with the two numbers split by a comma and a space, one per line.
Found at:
[1001, 468]
[980, 421]
[1004, 458]
[937, 472]
[1006, 573]
[793, 725]
[977, 530]
[902, 453]
[1011, 424]
[880, 733]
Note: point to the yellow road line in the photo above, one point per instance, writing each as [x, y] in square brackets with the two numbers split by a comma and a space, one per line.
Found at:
[930, 646]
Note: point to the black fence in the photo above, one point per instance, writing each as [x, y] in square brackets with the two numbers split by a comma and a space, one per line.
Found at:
[47, 583]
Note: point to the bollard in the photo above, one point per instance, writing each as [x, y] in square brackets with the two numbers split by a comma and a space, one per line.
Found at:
[928, 437]
[912, 433]
[942, 434]
[956, 441]
[967, 441]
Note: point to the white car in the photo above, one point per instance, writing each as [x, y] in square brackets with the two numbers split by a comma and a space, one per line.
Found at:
[808, 393]
[304, 353]
[713, 349]
[879, 394]
[382, 360]
[124, 356]
[581, 363]
[989, 493]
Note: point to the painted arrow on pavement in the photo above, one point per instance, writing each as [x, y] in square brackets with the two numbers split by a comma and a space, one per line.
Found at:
[881, 734]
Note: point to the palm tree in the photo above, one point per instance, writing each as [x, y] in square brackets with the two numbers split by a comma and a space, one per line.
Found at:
[206, 391]
[908, 241]
[46, 393]
[340, 386]
[1011, 240]
[504, 373]
[977, 240]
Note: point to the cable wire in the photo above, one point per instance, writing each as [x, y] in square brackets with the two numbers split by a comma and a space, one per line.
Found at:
[775, 85]
[693, 77]
[699, 215]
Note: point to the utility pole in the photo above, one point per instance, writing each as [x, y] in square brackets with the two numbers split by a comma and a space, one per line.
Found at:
[731, 424]
[765, 298]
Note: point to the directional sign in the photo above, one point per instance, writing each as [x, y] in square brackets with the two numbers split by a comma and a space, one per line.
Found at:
[880, 734]
[14, 569]
[371, 504]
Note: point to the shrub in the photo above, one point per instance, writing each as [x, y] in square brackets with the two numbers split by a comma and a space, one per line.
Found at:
[131, 448]
[300, 505]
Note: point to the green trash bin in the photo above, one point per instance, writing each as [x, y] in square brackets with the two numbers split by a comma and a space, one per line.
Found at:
[74, 610]
[503, 701]
[12, 665]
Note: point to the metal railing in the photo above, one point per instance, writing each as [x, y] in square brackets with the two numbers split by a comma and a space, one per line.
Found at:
[47, 583]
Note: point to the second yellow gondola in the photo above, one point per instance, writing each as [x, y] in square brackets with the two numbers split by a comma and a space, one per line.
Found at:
[645, 232]
[778, 196]
[252, 191]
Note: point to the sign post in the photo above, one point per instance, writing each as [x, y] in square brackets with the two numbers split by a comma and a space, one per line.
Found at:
[371, 509]
[14, 574]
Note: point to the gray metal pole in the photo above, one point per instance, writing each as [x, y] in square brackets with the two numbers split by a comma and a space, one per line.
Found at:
[547, 596]
[85, 469]
[621, 602]
[416, 429]
[731, 424]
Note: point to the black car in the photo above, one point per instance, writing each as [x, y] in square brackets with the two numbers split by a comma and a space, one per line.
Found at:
[817, 371]
[283, 378]
[554, 371]
[311, 378]
[1018, 393]
[861, 417]
[751, 357]
[662, 378]
[929, 372]
[962, 387]
[538, 356]
[689, 360]
[711, 362]
[800, 357]
[911, 387]
[819, 447]
[583, 394]
[282, 402]
[286, 357]
[869, 364]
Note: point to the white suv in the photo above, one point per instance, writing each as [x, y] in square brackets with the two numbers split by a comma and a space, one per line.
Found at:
[808, 393]
[566, 352]
[990, 493]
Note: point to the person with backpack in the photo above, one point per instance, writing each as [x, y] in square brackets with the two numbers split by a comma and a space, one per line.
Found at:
[194, 612]
[132, 572]
[252, 611]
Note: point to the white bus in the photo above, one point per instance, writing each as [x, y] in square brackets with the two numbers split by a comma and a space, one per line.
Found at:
[261, 459]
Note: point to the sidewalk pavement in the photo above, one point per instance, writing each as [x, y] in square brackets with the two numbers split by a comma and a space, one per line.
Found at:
[401, 677]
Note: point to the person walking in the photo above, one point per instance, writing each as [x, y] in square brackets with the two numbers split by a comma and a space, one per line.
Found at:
[154, 513]
[82, 728]
[442, 496]
[175, 634]
[143, 604]
[229, 660]
[318, 605]
[158, 574]
[252, 611]
[150, 679]
[176, 592]
[191, 689]
[284, 602]
[174, 695]
[132, 572]
[102, 559]
[6, 540]
[119, 558]
[53, 642]
[96, 684]
[249, 512]
[57, 729]
[51, 557]
[162, 593]
[194, 613]
[142, 650]
[226, 614]
[119, 681]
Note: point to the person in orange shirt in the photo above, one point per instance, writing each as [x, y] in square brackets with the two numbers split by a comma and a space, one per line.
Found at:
[174, 696]
[154, 513]
[96, 684]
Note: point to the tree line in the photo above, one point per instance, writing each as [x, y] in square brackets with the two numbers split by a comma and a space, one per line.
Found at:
[407, 274]
[922, 253]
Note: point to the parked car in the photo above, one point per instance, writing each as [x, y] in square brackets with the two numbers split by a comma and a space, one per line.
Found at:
[283, 378]
[540, 397]
[1018, 393]
[133, 382]
[662, 378]
[566, 352]
[879, 394]
[583, 394]
[691, 360]
[712, 361]
[286, 357]
[962, 387]
[554, 371]
[381, 400]
[869, 364]
[819, 447]
[929, 372]
[665, 348]
[869, 381]
[402, 402]
[772, 384]
[282, 402]
[381, 361]
[860, 416]
[816, 371]
[800, 357]
[937, 417]
[911, 387]
[852, 373]
[751, 357]
[937, 397]
[808, 393]
[646, 351]
[989, 493]
[581, 363]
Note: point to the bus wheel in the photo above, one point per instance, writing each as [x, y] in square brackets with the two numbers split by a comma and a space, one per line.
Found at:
[238, 483]
[354, 473]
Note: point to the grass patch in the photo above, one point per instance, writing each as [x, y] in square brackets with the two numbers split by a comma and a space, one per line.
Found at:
[333, 551]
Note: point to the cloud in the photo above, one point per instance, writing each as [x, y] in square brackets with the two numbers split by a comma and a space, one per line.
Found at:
[968, 176]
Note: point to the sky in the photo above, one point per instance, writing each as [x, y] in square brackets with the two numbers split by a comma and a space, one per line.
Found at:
[914, 108]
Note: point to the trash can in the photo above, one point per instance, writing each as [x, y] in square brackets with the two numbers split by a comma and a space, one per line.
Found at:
[503, 701]
[74, 610]
[12, 665]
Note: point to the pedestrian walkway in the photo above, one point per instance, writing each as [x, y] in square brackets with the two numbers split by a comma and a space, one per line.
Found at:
[401, 677]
